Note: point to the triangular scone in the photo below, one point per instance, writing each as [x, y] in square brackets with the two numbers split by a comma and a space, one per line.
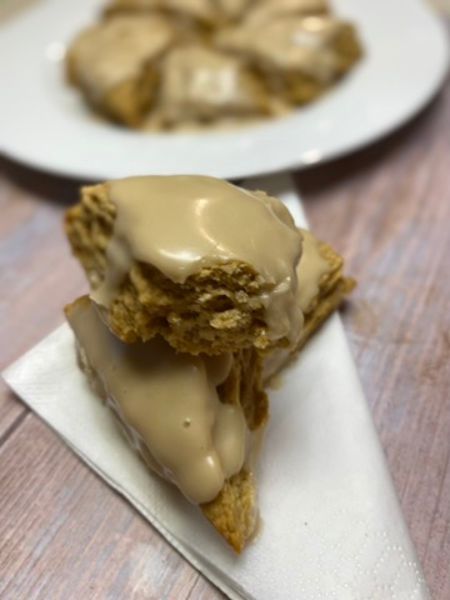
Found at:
[209, 266]
[200, 85]
[300, 56]
[234, 512]
[193, 420]
[114, 64]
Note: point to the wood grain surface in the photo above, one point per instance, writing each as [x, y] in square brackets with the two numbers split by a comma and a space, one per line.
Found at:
[64, 534]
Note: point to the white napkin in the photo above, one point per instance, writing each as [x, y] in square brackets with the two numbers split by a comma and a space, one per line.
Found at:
[332, 528]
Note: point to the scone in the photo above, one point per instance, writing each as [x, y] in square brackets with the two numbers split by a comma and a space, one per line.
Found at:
[207, 265]
[114, 64]
[191, 419]
[200, 85]
[300, 57]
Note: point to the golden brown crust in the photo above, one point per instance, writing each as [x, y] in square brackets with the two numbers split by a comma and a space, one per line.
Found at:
[292, 83]
[233, 513]
[300, 88]
[119, 77]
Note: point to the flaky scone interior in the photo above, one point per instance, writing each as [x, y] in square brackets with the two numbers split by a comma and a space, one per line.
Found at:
[226, 89]
[173, 256]
[300, 57]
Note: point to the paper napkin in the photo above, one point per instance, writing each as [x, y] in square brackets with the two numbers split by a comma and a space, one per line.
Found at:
[331, 524]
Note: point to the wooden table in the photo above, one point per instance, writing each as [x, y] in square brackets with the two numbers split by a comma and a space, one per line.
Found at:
[65, 534]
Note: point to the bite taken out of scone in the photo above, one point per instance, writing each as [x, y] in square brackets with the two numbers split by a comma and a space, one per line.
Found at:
[207, 265]
[201, 292]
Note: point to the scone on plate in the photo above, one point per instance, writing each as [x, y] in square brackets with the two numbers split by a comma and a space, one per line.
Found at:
[207, 265]
[192, 419]
[200, 85]
[179, 64]
[300, 57]
[114, 64]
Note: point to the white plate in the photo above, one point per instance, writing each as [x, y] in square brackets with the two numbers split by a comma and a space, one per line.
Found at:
[45, 124]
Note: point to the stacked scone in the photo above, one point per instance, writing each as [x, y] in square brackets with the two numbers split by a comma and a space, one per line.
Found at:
[165, 64]
[200, 292]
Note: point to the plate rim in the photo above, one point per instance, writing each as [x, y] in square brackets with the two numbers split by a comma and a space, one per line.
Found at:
[39, 162]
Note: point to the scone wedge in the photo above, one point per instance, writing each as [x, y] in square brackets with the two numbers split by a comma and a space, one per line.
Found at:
[114, 64]
[207, 265]
[299, 56]
[193, 420]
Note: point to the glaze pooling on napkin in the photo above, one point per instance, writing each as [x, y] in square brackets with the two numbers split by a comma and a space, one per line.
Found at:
[332, 524]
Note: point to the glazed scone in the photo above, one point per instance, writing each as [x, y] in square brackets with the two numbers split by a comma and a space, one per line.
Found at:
[190, 418]
[207, 265]
[300, 57]
[322, 287]
[113, 64]
[199, 84]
